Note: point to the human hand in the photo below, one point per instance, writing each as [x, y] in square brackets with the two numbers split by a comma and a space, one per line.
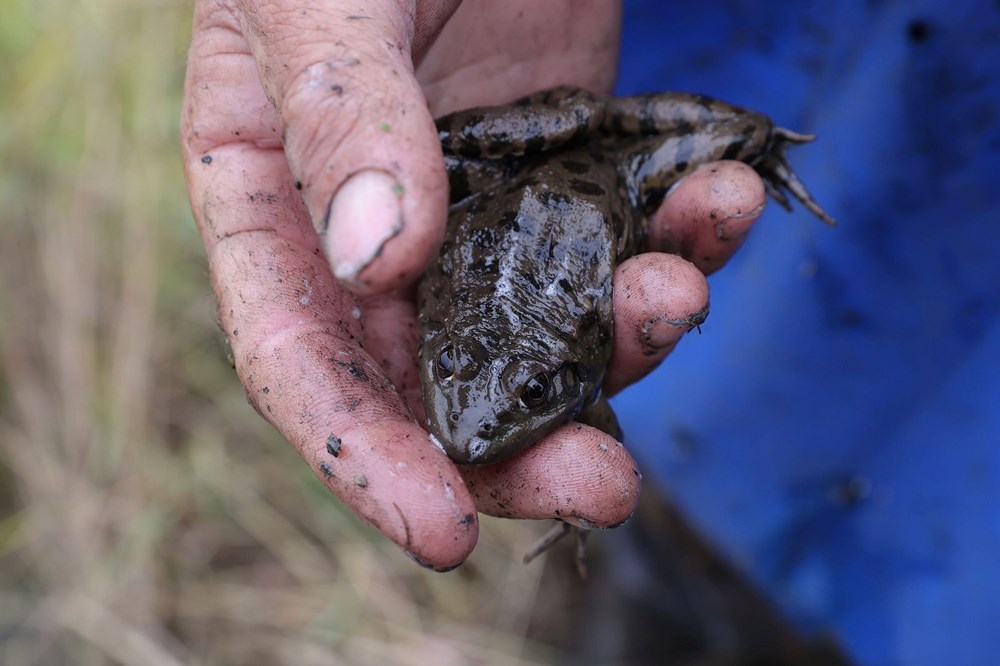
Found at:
[300, 111]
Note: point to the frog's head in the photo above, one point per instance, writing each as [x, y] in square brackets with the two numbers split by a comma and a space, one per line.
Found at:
[487, 404]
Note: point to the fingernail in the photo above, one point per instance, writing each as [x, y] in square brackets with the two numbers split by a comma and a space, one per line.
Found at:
[737, 226]
[364, 215]
[661, 333]
[428, 565]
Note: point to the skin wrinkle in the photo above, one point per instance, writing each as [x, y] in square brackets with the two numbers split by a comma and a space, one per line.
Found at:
[296, 322]
[311, 97]
[313, 85]
[252, 135]
[220, 197]
[303, 161]
[304, 41]
[313, 412]
[233, 141]
[202, 138]
[233, 252]
[208, 15]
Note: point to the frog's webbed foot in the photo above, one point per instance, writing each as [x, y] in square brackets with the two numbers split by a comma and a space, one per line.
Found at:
[778, 176]
[553, 536]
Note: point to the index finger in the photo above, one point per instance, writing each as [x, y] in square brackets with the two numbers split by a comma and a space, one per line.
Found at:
[296, 334]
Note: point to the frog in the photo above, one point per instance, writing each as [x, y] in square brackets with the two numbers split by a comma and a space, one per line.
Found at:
[547, 196]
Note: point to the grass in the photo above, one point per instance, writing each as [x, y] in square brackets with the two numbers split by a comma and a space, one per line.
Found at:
[147, 515]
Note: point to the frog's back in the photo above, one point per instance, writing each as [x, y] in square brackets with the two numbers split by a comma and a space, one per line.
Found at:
[525, 275]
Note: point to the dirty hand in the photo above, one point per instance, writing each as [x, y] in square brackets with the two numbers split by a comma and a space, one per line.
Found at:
[308, 115]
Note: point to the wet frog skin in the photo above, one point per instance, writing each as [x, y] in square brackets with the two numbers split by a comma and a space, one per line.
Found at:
[548, 196]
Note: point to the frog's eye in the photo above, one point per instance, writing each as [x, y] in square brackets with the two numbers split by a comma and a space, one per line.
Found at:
[445, 364]
[535, 391]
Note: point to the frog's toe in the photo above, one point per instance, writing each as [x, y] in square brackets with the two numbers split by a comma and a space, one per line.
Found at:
[778, 175]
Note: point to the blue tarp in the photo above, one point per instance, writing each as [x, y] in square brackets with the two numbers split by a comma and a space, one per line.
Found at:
[836, 427]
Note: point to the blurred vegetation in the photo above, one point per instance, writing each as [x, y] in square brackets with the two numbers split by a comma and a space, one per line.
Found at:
[147, 515]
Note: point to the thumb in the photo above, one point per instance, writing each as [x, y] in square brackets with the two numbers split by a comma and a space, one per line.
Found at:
[356, 130]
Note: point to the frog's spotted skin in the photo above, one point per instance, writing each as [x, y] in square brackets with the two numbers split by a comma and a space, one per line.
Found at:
[548, 196]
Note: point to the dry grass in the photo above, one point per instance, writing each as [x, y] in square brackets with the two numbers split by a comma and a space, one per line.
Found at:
[147, 516]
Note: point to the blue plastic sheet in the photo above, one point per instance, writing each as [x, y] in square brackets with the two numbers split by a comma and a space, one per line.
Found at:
[836, 427]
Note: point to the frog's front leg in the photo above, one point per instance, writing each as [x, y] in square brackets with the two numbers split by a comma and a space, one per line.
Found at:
[674, 133]
[483, 146]
[539, 122]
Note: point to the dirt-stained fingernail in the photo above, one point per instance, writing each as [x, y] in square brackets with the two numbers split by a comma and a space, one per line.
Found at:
[661, 333]
[364, 215]
[735, 227]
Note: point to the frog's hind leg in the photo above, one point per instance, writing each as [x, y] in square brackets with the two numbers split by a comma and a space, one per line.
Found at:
[674, 133]
[598, 415]
[778, 176]
[553, 536]
[672, 113]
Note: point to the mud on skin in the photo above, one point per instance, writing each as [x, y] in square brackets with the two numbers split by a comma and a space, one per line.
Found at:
[548, 196]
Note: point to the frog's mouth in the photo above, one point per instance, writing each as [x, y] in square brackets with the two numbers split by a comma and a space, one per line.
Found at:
[478, 437]
[484, 436]
[478, 450]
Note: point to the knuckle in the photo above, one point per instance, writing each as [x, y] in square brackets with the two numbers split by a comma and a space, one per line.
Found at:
[317, 114]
